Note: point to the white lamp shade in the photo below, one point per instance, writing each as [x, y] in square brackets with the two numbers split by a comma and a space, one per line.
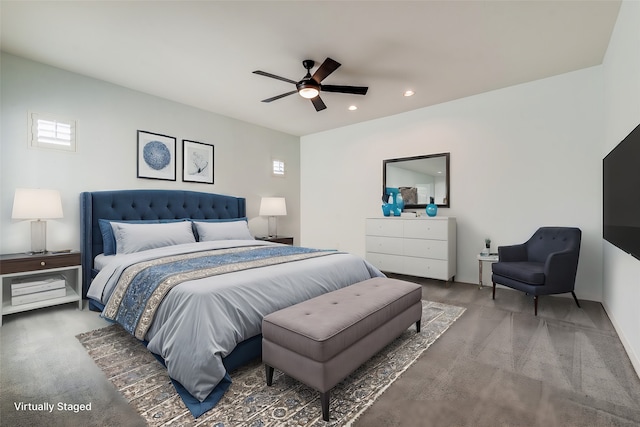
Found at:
[273, 206]
[36, 203]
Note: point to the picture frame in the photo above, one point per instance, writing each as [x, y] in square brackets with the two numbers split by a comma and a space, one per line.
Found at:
[197, 159]
[156, 156]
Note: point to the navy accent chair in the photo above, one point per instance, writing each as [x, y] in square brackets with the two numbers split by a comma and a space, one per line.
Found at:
[543, 265]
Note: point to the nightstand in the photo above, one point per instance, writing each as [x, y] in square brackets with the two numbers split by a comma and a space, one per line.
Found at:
[35, 270]
[484, 258]
[277, 239]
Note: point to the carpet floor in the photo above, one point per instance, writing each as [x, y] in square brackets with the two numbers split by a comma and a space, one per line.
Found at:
[144, 382]
[497, 365]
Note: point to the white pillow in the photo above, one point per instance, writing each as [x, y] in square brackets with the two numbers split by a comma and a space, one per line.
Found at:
[132, 238]
[227, 230]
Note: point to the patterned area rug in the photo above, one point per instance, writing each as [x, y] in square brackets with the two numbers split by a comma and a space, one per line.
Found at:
[144, 382]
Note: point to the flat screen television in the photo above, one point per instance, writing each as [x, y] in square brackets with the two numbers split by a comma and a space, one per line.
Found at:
[621, 194]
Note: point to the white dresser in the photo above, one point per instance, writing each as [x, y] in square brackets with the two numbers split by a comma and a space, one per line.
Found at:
[422, 246]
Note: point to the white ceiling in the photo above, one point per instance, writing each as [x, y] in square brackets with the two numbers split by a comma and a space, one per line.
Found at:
[202, 53]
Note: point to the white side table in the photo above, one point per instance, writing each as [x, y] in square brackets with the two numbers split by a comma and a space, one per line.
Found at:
[40, 266]
[484, 258]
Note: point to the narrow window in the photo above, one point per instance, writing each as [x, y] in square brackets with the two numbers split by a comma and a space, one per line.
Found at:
[49, 131]
[278, 168]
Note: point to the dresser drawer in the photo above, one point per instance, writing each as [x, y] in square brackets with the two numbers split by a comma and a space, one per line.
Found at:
[426, 229]
[422, 267]
[384, 227]
[426, 248]
[384, 245]
[385, 262]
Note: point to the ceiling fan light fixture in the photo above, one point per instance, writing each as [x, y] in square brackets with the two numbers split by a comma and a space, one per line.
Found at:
[310, 86]
[308, 90]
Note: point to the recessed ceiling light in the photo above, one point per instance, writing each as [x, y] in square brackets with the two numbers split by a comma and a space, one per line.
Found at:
[409, 93]
[352, 108]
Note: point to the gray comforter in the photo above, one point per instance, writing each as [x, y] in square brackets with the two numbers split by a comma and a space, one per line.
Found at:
[201, 321]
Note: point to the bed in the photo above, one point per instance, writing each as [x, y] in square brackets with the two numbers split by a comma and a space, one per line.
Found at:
[196, 302]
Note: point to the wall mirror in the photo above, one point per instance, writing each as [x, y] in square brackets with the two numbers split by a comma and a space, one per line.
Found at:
[419, 178]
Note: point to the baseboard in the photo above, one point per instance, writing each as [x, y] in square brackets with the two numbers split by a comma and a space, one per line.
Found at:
[635, 360]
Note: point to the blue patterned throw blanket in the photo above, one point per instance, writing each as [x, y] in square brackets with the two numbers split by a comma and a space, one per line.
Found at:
[142, 286]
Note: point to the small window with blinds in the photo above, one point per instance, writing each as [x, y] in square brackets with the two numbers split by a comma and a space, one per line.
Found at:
[50, 131]
[277, 168]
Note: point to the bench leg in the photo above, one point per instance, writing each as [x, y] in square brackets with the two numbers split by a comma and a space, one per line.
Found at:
[269, 371]
[418, 326]
[324, 401]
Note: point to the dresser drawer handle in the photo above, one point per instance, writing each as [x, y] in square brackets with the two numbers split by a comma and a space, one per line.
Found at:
[42, 263]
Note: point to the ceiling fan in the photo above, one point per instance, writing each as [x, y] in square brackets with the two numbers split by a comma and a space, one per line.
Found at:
[309, 87]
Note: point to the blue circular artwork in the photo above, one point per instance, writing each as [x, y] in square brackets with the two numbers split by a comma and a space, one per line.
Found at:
[156, 155]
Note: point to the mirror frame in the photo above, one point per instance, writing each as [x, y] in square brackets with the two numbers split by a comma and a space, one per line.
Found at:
[429, 156]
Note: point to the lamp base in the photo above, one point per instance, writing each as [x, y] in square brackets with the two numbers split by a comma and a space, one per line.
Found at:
[273, 226]
[38, 237]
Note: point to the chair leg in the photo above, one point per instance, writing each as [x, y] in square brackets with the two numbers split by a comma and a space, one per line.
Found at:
[535, 305]
[575, 298]
[494, 290]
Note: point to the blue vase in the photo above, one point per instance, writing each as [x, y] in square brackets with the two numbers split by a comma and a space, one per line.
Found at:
[386, 209]
[432, 209]
[400, 202]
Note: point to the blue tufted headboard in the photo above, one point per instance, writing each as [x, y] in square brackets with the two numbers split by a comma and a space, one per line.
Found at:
[145, 204]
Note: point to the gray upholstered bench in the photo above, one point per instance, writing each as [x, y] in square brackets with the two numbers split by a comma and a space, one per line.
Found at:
[322, 340]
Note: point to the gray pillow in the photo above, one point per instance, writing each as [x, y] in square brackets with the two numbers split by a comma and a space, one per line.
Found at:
[109, 240]
[132, 238]
[228, 230]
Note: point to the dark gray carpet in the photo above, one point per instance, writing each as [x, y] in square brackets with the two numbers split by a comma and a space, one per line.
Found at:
[497, 365]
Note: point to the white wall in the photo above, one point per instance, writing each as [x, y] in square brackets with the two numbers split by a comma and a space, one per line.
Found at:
[521, 158]
[621, 288]
[108, 118]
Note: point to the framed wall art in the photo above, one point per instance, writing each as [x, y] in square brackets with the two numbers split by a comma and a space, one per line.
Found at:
[156, 156]
[197, 160]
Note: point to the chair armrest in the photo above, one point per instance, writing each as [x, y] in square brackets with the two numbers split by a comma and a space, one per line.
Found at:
[560, 270]
[512, 253]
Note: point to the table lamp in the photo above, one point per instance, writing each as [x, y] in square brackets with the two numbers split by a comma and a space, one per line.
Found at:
[37, 204]
[272, 207]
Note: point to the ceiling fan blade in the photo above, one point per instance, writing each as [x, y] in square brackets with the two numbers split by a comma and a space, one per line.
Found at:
[356, 90]
[273, 76]
[327, 67]
[317, 102]
[280, 96]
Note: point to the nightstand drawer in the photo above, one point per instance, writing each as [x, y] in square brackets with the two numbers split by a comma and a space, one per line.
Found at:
[18, 263]
[277, 239]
